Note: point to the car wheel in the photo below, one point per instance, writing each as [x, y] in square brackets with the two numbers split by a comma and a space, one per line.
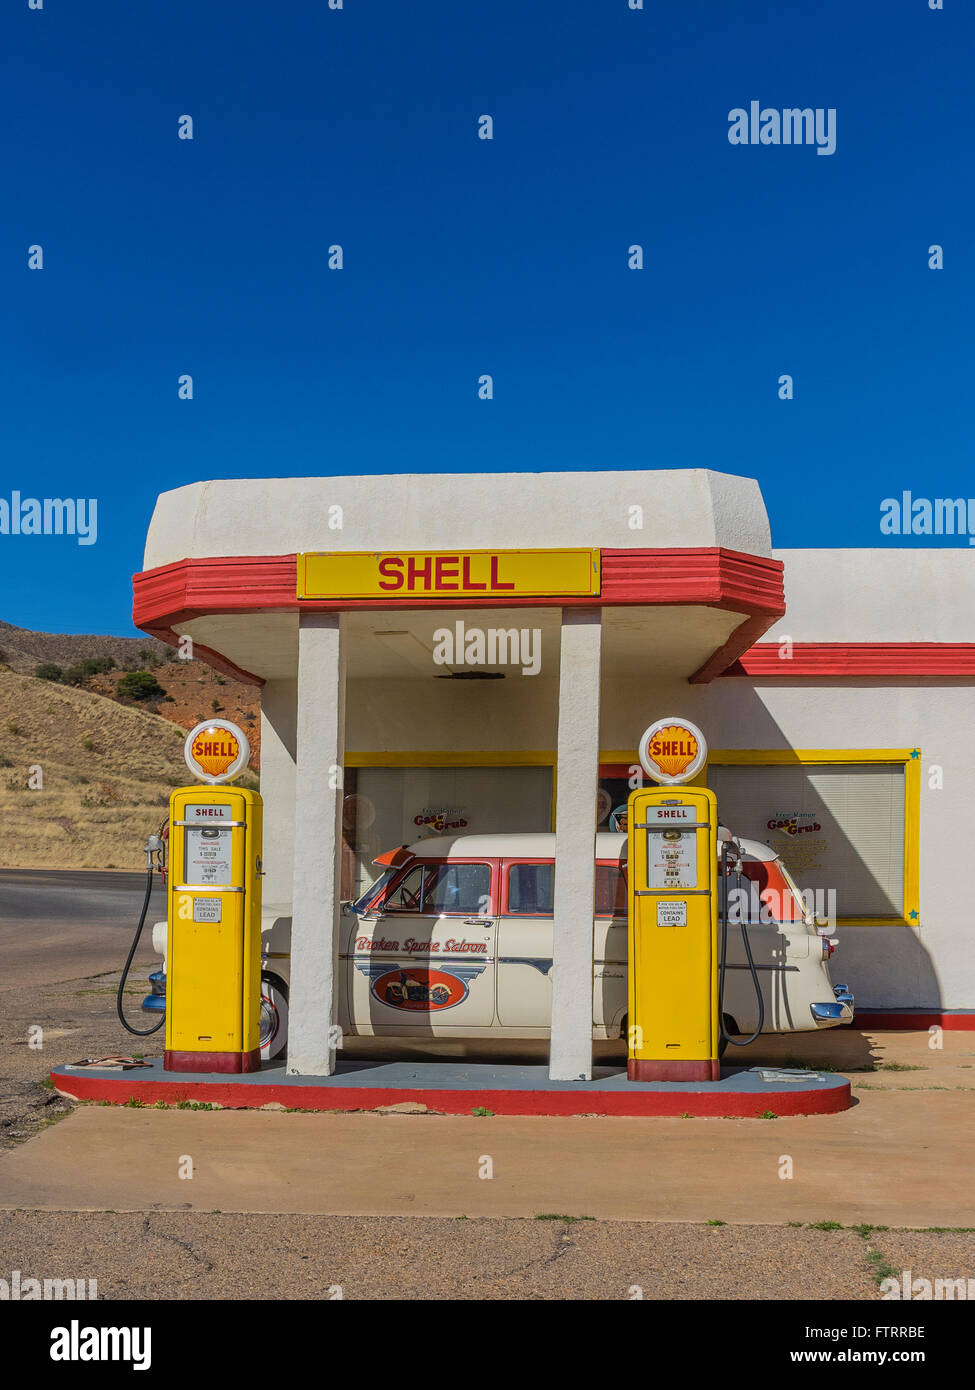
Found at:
[274, 1017]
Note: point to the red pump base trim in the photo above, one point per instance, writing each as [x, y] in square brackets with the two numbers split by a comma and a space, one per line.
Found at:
[669, 1069]
[207, 1062]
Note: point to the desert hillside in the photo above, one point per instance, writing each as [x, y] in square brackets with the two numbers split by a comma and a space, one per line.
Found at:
[188, 691]
[192, 692]
[21, 649]
[106, 771]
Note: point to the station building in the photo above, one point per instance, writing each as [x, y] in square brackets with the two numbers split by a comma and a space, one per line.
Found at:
[467, 653]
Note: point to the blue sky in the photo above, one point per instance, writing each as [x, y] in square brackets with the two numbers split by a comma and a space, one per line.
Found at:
[462, 256]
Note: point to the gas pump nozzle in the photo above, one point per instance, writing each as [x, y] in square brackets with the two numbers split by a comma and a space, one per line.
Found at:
[154, 852]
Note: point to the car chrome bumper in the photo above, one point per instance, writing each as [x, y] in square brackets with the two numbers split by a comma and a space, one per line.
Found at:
[839, 1010]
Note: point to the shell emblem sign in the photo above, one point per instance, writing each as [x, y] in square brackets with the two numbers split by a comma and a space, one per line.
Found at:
[216, 750]
[673, 750]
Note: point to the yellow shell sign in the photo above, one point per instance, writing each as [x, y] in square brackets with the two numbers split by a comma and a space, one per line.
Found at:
[673, 750]
[216, 750]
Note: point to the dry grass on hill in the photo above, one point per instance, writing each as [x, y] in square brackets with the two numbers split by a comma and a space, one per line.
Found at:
[22, 649]
[107, 773]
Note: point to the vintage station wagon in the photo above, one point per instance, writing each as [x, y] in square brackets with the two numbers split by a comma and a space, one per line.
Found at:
[455, 939]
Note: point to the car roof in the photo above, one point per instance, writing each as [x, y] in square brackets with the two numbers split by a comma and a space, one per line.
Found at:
[526, 845]
[541, 845]
[756, 849]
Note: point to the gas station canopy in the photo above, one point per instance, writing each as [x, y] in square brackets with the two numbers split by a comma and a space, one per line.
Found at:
[682, 566]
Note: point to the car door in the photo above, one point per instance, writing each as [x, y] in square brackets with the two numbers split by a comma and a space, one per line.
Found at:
[525, 941]
[610, 948]
[425, 963]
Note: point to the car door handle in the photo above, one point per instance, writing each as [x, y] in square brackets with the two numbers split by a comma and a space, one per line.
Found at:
[478, 921]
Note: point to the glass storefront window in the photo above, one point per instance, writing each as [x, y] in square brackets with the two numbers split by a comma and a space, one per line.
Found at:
[386, 807]
[836, 826]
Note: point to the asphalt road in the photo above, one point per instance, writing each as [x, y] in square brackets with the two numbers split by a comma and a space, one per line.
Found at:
[58, 925]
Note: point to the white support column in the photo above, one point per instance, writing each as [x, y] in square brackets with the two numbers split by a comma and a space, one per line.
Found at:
[313, 1000]
[570, 1053]
[279, 712]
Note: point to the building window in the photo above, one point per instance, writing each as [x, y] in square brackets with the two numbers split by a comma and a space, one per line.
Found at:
[842, 826]
[389, 806]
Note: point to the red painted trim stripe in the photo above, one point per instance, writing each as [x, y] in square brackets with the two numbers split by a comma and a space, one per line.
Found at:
[169, 596]
[674, 1101]
[890, 1021]
[857, 659]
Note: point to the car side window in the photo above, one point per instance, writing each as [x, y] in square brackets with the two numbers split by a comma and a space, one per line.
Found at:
[610, 891]
[767, 897]
[531, 890]
[461, 888]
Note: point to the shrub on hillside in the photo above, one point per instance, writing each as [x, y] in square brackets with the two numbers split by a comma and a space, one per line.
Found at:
[83, 670]
[47, 671]
[140, 685]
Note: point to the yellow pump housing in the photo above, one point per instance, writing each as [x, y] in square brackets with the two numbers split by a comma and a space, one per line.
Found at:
[213, 970]
[672, 885]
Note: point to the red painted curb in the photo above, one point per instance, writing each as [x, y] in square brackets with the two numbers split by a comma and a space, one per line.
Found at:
[725, 1104]
[887, 1021]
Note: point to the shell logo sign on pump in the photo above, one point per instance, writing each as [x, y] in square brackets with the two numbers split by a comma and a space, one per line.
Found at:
[213, 952]
[673, 750]
[672, 886]
[216, 750]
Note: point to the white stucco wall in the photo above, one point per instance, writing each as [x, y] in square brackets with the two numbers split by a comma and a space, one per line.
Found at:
[888, 595]
[278, 516]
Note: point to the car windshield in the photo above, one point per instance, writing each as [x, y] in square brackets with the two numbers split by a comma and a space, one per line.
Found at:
[361, 903]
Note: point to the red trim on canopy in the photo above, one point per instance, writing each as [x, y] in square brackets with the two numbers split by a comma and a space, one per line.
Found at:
[856, 659]
[170, 596]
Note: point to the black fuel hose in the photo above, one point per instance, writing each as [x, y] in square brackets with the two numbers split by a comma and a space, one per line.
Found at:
[725, 1035]
[138, 1032]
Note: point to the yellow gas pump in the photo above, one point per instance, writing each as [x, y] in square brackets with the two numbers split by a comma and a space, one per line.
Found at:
[214, 932]
[672, 885]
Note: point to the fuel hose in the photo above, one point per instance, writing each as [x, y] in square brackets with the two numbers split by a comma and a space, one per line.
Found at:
[725, 1036]
[138, 1032]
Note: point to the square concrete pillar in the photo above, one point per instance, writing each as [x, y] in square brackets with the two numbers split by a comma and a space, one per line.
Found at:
[279, 715]
[313, 999]
[577, 771]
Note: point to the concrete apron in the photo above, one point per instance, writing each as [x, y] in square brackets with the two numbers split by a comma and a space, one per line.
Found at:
[895, 1158]
[458, 1088]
